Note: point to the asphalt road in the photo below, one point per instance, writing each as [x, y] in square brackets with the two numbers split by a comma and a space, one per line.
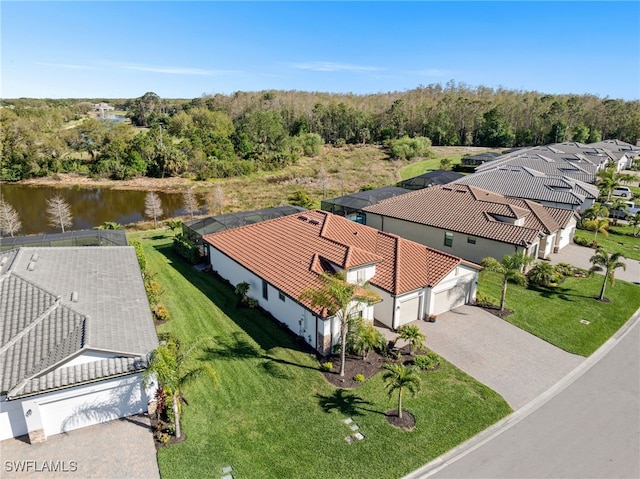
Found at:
[589, 429]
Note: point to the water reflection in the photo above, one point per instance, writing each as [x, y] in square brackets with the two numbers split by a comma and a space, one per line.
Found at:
[90, 207]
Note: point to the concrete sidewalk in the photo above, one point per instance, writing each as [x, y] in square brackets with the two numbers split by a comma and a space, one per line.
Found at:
[579, 256]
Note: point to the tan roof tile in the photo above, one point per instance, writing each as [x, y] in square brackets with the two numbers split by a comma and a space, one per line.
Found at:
[291, 252]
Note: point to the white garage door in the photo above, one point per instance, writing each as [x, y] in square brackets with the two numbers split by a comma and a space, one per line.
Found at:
[93, 404]
[451, 298]
[409, 310]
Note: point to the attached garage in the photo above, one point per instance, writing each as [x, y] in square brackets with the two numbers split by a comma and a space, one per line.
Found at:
[451, 298]
[410, 310]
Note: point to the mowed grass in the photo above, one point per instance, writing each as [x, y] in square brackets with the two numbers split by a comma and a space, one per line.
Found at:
[554, 313]
[273, 415]
[619, 240]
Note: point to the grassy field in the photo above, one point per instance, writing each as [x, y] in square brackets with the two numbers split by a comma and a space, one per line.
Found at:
[554, 314]
[618, 240]
[273, 415]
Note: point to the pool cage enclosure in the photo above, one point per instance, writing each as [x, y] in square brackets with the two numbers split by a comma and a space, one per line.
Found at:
[68, 238]
[196, 230]
[350, 206]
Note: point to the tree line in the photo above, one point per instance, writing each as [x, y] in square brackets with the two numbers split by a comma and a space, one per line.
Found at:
[217, 136]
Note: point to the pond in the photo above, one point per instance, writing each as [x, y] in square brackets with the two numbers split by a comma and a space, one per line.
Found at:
[90, 207]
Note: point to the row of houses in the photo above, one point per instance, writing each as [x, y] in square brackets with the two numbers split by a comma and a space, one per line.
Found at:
[76, 328]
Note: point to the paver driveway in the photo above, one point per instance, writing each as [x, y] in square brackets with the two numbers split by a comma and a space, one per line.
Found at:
[516, 364]
[122, 448]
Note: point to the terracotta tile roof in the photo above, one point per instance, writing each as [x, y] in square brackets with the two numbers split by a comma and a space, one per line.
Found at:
[291, 252]
[470, 210]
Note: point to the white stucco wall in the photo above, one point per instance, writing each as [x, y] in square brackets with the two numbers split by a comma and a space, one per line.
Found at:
[73, 408]
[434, 237]
[566, 234]
[89, 357]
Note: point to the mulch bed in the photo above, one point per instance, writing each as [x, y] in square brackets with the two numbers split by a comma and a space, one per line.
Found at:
[407, 421]
[158, 427]
[495, 310]
[356, 365]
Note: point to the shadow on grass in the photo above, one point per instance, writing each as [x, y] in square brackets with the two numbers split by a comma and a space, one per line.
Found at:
[345, 402]
[565, 294]
[264, 331]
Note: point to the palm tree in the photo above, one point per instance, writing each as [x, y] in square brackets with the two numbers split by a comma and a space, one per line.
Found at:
[599, 225]
[603, 261]
[634, 222]
[336, 297]
[412, 334]
[364, 337]
[170, 366]
[543, 273]
[401, 378]
[511, 268]
[607, 181]
[617, 208]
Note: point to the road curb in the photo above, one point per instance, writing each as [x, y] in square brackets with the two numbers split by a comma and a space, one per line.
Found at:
[498, 428]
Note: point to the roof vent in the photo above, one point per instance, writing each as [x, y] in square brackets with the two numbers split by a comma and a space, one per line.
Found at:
[74, 297]
[31, 266]
[34, 257]
[314, 222]
[303, 218]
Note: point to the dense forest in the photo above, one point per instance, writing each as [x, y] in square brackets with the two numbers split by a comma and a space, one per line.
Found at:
[216, 136]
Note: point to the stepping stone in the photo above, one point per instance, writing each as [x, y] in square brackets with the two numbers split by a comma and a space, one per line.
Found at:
[227, 469]
[358, 436]
[355, 427]
[228, 476]
[348, 420]
[349, 439]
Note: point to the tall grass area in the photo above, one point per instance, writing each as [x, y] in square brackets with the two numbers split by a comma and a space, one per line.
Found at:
[273, 415]
[554, 313]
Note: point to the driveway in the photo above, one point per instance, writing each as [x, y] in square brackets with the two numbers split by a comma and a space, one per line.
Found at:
[579, 256]
[122, 448]
[517, 365]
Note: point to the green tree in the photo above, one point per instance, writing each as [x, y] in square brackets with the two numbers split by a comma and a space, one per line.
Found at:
[634, 222]
[494, 130]
[341, 299]
[408, 148]
[363, 337]
[172, 367]
[412, 334]
[543, 274]
[401, 378]
[607, 180]
[510, 268]
[301, 198]
[607, 263]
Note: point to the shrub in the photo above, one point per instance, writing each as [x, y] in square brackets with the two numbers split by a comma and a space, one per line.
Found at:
[252, 303]
[186, 248]
[163, 438]
[359, 378]
[328, 366]
[427, 361]
[161, 313]
[154, 290]
[582, 241]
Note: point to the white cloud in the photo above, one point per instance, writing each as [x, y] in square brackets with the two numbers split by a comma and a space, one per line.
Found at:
[333, 67]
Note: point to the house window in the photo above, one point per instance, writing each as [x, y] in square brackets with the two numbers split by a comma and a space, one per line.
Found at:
[471, 240]
[265, 290]
[534, 251]
[448, 238]
[356, 314]
[281, 296]
[361, 276]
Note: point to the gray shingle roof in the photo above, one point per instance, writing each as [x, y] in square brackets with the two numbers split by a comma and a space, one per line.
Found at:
[58, 302]
[522, 182]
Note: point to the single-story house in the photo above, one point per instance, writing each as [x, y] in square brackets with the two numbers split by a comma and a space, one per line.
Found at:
[76, 334]
[473, 223]
[430, 178]
[283, 257]
[350, 206]
[526, 183]
[631, 152]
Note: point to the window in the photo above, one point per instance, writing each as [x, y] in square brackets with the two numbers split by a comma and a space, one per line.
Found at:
[448, 238]
[361, 276]
[281, 296]
[471, 240]
[356, 314]
[361, 218]
[265, 290]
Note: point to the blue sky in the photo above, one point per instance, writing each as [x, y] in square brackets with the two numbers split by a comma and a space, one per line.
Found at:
[123, 49]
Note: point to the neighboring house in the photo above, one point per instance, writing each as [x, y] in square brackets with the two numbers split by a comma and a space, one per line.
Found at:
[102, 106]
[281, 258]
[630, 151]
[473, 223]
[525, 183]
[76, 331]
[197, 229]
[431, 178]
[605, 156]
[350, 206]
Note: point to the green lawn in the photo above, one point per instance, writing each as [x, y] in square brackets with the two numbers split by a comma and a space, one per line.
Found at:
[618, 240]
[274, 415]
[554, 314]
[420, 167]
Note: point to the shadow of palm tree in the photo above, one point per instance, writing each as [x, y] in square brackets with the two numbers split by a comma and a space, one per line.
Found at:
[345, 402]
[566, 294]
